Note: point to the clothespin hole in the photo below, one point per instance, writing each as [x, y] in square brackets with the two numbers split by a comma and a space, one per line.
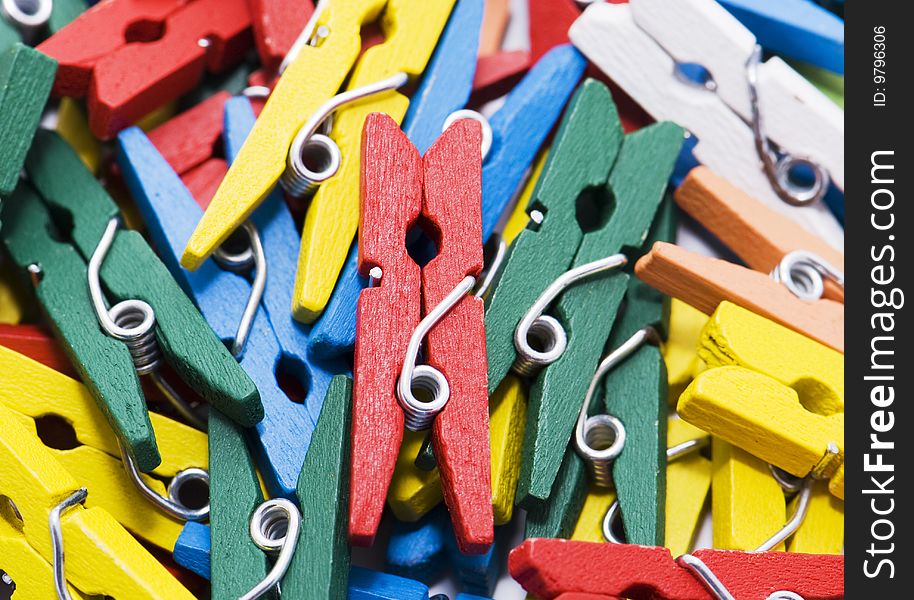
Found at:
[696, 75]
[594, 207]
[816, 397]
[9, 512]
[293, 386]
[421, 246]
[144, 31]
[56, 432]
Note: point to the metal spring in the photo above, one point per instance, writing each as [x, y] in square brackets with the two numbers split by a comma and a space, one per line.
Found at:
[419, 412]
[275, 526]
[778, 170]
[803, 273]
[313, 157]
[604, 436]
[545, 331]
[133, 316]
[29, 17]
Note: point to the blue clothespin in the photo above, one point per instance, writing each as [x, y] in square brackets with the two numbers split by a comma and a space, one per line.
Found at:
[798, 29]
[518, 130]
[425, 549]
[192, 553]
[170, 212]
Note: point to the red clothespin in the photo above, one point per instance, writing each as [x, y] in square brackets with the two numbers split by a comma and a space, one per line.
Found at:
[99, 55]
[189, 139]
[277, 23]
[497, 74]
[443, 191]
[554, 568]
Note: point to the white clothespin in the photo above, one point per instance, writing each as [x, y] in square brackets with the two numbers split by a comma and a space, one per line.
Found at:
[641, 46]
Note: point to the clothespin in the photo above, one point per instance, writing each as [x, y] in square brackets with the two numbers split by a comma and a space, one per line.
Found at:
[98, 54]
[425, 549]
[498, 74]
[739, 337]
[822, 531]
[780, 431]
[518, 129]
[760, 236]
[129, 270]
[282, 437]
[780, 25]
[706, 282]
[41, 489]
[73, 428]
[558, 242]
[548, 568]
[682, 362]
[443, 187]
[643, 45]
[26, 76]
[332, 216]
[549, 23]
[688, 481]
[277, 24]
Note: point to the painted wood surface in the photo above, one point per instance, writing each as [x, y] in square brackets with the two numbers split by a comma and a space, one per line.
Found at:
[781, 431]
[706, 282]
[98, 61]
[277, 24]
[26, 76]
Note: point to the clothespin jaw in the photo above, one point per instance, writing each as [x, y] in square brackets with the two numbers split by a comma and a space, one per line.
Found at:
[723, 402]
[26, 76]
[739, 337]
[98, 54]
[706, 282]
[392, 203]
[103, 558]
[276, 26]
[759, 235]
[549, 568]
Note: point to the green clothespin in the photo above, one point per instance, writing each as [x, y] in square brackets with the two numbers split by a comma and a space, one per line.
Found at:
[582, 155]
[586, 311]
[635, 393]
[77, 209]
[26, 77]
[236, 563]
[320, 569]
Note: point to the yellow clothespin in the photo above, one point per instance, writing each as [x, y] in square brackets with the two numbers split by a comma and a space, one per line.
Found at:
[64, 415]
[688, 480]
[765, 417]
[747, 504]
[73, 127]
[30, 572]
[736, 336]
[412, 28]
[822, 531]
[679, 350]
[102, 558]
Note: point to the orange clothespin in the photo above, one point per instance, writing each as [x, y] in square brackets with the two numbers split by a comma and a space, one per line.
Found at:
[706, 282]
[175, 42]
[758, 234]
[443, 189]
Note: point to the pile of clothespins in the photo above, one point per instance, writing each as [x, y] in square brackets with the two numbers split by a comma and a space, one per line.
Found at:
[539, 294]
